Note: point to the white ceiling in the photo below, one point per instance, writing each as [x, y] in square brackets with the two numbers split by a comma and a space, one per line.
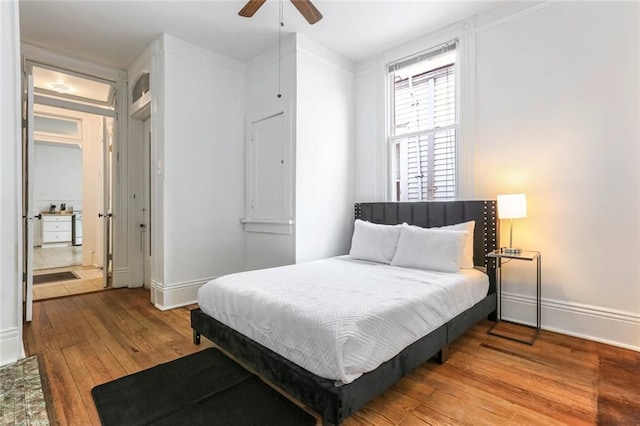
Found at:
[114, 33]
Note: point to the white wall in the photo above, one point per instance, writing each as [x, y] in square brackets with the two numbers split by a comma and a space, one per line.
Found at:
[558, 104]
[263, 250]
[555, 115]
[10, 224]
[370, 182]
[58, 173]
[324, 152]
[201, 164]
[317, 89]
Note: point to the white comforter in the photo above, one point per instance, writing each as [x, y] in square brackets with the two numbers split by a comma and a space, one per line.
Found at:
[339, 318]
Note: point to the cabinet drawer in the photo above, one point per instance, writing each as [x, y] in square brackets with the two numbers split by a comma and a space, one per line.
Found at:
[56, 237]
[52, 218]
[56, 226]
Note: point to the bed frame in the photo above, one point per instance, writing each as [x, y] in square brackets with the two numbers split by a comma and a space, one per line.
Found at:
[335, 403]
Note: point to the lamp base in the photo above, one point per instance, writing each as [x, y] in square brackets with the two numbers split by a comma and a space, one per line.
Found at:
[511, 250]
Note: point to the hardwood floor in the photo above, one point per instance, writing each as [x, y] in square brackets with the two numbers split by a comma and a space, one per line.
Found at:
[91, 339]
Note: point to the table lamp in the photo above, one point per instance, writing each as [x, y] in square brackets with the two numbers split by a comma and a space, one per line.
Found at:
[512, 206]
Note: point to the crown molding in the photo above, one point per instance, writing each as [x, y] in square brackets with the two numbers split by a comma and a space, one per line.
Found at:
[43, 56]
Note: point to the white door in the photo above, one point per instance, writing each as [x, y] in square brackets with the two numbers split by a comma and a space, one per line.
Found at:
[98, 255]
[29, 214]
[268, 170]
[106, 215]
[145, 226]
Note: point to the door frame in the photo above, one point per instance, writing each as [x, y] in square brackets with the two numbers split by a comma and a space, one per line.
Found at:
[28, 215]
[121, 239]
[141, 154]
[145, 226]
[104, 247]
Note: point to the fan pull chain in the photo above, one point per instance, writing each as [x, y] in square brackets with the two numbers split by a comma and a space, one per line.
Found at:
[280, 49]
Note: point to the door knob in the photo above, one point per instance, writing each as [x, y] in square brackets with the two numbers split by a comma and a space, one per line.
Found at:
[38, 216]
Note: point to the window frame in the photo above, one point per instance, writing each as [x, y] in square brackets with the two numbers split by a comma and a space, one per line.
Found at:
[77, 135]
[391, 139]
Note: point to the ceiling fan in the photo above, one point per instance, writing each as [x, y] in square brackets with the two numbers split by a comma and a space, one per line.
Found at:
[305, 7]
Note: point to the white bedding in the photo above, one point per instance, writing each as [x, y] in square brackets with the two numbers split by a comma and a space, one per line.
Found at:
[339, 318]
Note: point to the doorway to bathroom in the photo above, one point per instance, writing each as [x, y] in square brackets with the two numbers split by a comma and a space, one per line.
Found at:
[67, 175]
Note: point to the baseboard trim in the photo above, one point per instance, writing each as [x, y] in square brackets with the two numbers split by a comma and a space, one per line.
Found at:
[10, 346]
[170, 296]
[609, 326]
[121, 278]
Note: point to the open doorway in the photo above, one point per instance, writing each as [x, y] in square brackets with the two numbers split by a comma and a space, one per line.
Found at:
[67, 175]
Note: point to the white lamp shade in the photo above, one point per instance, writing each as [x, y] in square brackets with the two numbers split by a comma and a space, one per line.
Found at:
[512, 206]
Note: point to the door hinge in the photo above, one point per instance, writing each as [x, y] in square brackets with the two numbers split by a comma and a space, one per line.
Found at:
[24, 277]
[252, 136]
[25, 123]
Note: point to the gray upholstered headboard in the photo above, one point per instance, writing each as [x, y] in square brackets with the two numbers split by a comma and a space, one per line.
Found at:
[428, 214]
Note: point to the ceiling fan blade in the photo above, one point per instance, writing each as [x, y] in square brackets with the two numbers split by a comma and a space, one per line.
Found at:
[251, 8]
[308, 10]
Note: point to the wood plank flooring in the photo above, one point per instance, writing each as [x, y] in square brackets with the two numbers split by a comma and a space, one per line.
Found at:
[91, 339]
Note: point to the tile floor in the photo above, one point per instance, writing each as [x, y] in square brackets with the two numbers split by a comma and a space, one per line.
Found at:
[56, 257]
[60, 259]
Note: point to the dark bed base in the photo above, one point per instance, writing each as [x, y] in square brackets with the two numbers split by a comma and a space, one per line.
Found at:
[335, 403]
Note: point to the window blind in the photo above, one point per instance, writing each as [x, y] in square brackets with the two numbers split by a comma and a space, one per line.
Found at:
[424, 56]
[424, 131]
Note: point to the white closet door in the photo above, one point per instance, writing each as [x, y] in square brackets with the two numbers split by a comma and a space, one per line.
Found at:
[269, 171]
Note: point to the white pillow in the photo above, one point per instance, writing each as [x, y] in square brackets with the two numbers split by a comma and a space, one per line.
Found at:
[429, 248]
[466, 260]
[374, 242]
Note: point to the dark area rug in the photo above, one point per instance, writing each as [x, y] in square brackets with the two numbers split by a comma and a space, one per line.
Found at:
[53, 277]
[205, 388]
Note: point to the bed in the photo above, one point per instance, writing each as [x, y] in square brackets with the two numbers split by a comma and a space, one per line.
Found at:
[335, 398]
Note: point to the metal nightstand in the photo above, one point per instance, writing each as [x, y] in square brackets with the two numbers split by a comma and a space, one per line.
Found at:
[500, 255]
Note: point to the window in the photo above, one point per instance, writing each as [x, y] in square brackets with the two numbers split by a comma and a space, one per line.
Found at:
[57, 126]
[422, 138]
[141, 87]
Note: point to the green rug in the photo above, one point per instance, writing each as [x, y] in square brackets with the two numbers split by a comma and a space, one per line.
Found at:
[21, 397]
